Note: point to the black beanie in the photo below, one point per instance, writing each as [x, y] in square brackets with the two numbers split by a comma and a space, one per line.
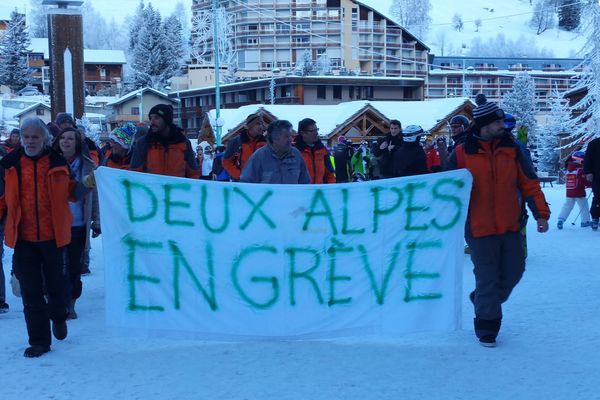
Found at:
[165, 111]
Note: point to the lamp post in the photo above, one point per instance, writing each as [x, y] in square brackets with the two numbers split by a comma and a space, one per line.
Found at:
[140, 95]
[217, 78]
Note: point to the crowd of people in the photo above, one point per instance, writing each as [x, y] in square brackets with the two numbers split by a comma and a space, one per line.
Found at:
[48, 170]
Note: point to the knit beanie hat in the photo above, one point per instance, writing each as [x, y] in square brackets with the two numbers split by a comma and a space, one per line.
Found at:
[64, 117]
[486, 113]
[165, 111]
[123, 135]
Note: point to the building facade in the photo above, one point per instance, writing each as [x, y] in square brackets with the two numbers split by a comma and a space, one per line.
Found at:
[269, 34]
[461, 76]
[295, 90]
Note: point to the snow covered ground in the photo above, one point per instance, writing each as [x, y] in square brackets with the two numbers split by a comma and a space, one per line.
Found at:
[547, 349]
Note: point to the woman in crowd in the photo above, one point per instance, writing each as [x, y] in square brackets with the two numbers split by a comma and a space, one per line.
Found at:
[85, 212]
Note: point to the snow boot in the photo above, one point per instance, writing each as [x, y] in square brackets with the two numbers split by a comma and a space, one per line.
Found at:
[560, 224]
[595, 224]
[59, 330]
[36, 351]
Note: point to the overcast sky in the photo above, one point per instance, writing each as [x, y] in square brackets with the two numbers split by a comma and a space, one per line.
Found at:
[118, 9]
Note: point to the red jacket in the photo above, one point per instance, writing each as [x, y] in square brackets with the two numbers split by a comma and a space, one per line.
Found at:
[433, 160]
[575, 180]
[501, 179]
[317, 161]
[238, 153]
[42, 186]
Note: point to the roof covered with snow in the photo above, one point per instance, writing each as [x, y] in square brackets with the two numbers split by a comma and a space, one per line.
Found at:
[90, 56]
[425, 113]
[134, 94]
[32, 107]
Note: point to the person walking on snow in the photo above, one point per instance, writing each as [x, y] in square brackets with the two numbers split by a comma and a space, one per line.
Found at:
[575, 183]
[500, 176]
[591, 168]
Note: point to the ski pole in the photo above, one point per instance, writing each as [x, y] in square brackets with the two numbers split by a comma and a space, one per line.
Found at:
[578, 214]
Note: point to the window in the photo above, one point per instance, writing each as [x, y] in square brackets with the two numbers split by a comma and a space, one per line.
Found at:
[135, 111]
[39, 111]
[252, 41]
[337, 92]
[321, 92]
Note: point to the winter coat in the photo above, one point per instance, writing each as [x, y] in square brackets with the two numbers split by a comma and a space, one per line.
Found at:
[171, 155]
[575, 181]
[265, 166]
[591, 163]
[361, 161]
[317, 161]
[501, 175]
[342, 155]
[113, 161]
[239, 150]
[386, 157]
[410, 160]
[433, 160]
[218, 171]
[42, 186]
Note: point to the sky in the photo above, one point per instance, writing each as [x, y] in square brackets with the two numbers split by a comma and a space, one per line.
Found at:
[118, 9]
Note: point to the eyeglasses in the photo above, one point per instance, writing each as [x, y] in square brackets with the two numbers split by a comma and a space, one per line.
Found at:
[312, 130]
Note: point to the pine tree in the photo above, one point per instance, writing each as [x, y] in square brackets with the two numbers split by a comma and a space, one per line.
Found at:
[323, 65]
[520, 102]
[304, 66]
[587, 122]
[14, 43]
[558, 123]
[569, 15]
[175, 51]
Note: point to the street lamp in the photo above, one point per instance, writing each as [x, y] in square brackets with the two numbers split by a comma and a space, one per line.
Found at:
[140, 95]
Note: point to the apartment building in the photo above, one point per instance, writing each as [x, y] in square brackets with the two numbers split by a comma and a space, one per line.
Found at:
[456, 76]
[269, 34]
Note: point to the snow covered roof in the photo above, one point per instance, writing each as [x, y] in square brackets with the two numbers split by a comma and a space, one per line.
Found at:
[133, 94]
[90, 56]
[428, 114]
[32, 107]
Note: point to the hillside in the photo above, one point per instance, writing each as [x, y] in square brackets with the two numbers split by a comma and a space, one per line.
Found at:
[509, 17]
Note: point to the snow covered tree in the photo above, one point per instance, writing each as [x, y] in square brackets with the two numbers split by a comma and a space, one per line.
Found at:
[558, 123]
[477, 24]
[151, 63]
[304, 66]
[520, 102]
[95, 28]
[182, 16]
[543, 17]
[587, 123]
[467, 88]
[174, 48]
[457, 22]
[37, 19]
[569, 15]
[14, 43]
[413, 15]
[323, 65]
[90, 129]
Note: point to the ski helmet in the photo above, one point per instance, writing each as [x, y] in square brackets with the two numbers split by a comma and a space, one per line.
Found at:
[509, 121]
[412, 133]
[459, 120]
[578, 157]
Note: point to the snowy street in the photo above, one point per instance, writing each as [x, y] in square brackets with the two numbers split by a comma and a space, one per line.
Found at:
[547, 348]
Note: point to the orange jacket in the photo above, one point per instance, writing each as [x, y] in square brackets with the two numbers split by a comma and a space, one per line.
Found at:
[113, 161]
[317, 161]
[238, 153]
[172, 156]
[42, 186]
[502, 179]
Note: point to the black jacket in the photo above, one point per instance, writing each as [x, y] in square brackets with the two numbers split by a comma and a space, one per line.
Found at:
[386, 163]
[410, 160]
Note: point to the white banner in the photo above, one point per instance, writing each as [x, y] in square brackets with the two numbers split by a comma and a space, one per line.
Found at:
[225, 259]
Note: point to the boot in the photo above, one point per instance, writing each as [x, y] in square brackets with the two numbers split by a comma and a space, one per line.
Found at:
[560, 223]
[36, 351]
[59, 330]
[72, 314]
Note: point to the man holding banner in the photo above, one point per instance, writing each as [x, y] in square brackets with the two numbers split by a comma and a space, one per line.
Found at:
[500, 172]
[279, 161]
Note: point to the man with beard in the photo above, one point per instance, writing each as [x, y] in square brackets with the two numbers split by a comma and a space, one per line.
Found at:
[164, 150]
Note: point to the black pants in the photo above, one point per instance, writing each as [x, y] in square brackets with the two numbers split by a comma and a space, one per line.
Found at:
[595, 207]
[75, 251]
[36, 264]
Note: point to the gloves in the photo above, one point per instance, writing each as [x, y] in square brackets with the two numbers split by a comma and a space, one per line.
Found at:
[96, 232]
[89, 181]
